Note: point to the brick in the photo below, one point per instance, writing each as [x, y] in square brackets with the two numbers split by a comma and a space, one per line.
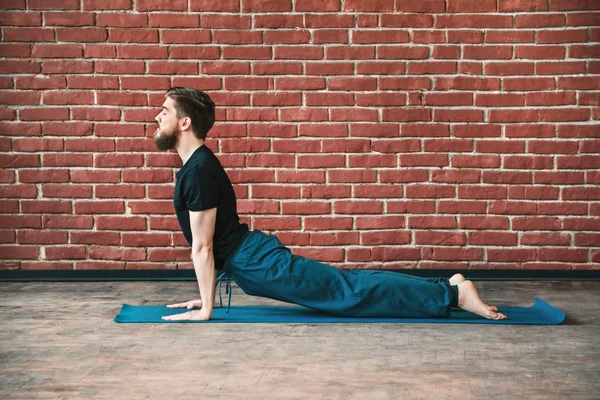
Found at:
[196, 52]
[226, 67]
[473, 21]
[18, 18]
[487, 52]
[107, 4]
[303, 114]
[466, 6]
[19, 97]
[522, 5]
[18, 191]
[323, 130]
[440, 238]
[122, 20]
[298, 52]
[266, 5]
[145, 83]
[185, 36]
[583, 19]
[380, 99]
[243, 114]
[511, 36]
[15, 50]
[225, 21]
[53, 4]
[398, 52]
[215, 5]
[247, 53]
[57, 51]
[434, 160]
[316, 5]
[441, 115]
[446, 52]
[565, 114]
[448, 99]
[526, 84]
[368, 5]
[68, 97]
[290, 37]
[427, 67]
[465, 36]
[386, 68]
[174, 21]
[41, 114]
[341, 114]
[56, 82]
[35, 145]
[161, 5]
[500, 100]
[276, 99]
[405, 114]
[92, 82]
[143, 52]
[408, 20]
[20, 252]
[172, 68]
[300, 177]
[354, 176]
[375, 36]
[584, 51]
[432, 36]
[81, 34]
[68, 18]
[277, 21]
[467, 83]
[540, 52]
[96, 114]
[133, 35]
[402, 176]
[100, 51]
[534, 192]
[28, 35]
[67, 67]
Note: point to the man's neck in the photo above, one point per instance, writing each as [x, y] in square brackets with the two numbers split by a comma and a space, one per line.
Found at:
[185, 151]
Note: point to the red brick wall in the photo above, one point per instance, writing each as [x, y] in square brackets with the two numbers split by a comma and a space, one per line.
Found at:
[370, 134]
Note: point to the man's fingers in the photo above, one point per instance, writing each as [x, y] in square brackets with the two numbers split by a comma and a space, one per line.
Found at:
[177, 317]
[187, 304]
[178, 305]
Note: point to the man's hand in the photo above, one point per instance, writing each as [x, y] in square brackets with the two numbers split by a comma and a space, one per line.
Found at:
[187, 304]
[196, 315]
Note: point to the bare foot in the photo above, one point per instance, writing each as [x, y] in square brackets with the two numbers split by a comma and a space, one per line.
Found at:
[457, 279]
[469, 300]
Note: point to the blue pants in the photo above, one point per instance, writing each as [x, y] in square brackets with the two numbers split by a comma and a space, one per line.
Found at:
[263, 266]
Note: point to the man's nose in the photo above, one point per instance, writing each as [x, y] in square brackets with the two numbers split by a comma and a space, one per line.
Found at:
[157, 118]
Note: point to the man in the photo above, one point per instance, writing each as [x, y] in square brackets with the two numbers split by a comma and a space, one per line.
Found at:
[260, 264]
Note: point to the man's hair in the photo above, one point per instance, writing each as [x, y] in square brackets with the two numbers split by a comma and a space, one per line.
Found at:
[196, 105]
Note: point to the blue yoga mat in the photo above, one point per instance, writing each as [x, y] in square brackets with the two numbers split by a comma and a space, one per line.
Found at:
[541, 313]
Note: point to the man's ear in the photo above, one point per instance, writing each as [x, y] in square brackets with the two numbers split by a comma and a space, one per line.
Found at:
[185, 123]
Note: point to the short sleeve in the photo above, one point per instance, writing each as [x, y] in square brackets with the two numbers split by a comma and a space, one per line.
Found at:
[200, 190]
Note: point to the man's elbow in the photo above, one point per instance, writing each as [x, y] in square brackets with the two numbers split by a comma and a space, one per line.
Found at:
[202, 247]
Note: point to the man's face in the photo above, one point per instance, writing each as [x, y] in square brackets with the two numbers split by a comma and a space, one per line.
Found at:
[167, 133]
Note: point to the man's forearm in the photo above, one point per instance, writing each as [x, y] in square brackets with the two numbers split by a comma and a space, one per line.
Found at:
[204, 264]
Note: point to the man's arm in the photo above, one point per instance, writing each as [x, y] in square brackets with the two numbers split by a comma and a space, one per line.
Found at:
[203, 228]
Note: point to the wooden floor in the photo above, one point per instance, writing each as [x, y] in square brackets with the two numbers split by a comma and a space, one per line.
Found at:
[58, 341]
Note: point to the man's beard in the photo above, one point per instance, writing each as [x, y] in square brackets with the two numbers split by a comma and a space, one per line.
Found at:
[166, 140]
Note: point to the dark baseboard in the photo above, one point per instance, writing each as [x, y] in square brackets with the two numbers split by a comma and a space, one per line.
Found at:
[189, 275]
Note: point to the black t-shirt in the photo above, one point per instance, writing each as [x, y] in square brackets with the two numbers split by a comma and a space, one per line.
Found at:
[202, 184]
